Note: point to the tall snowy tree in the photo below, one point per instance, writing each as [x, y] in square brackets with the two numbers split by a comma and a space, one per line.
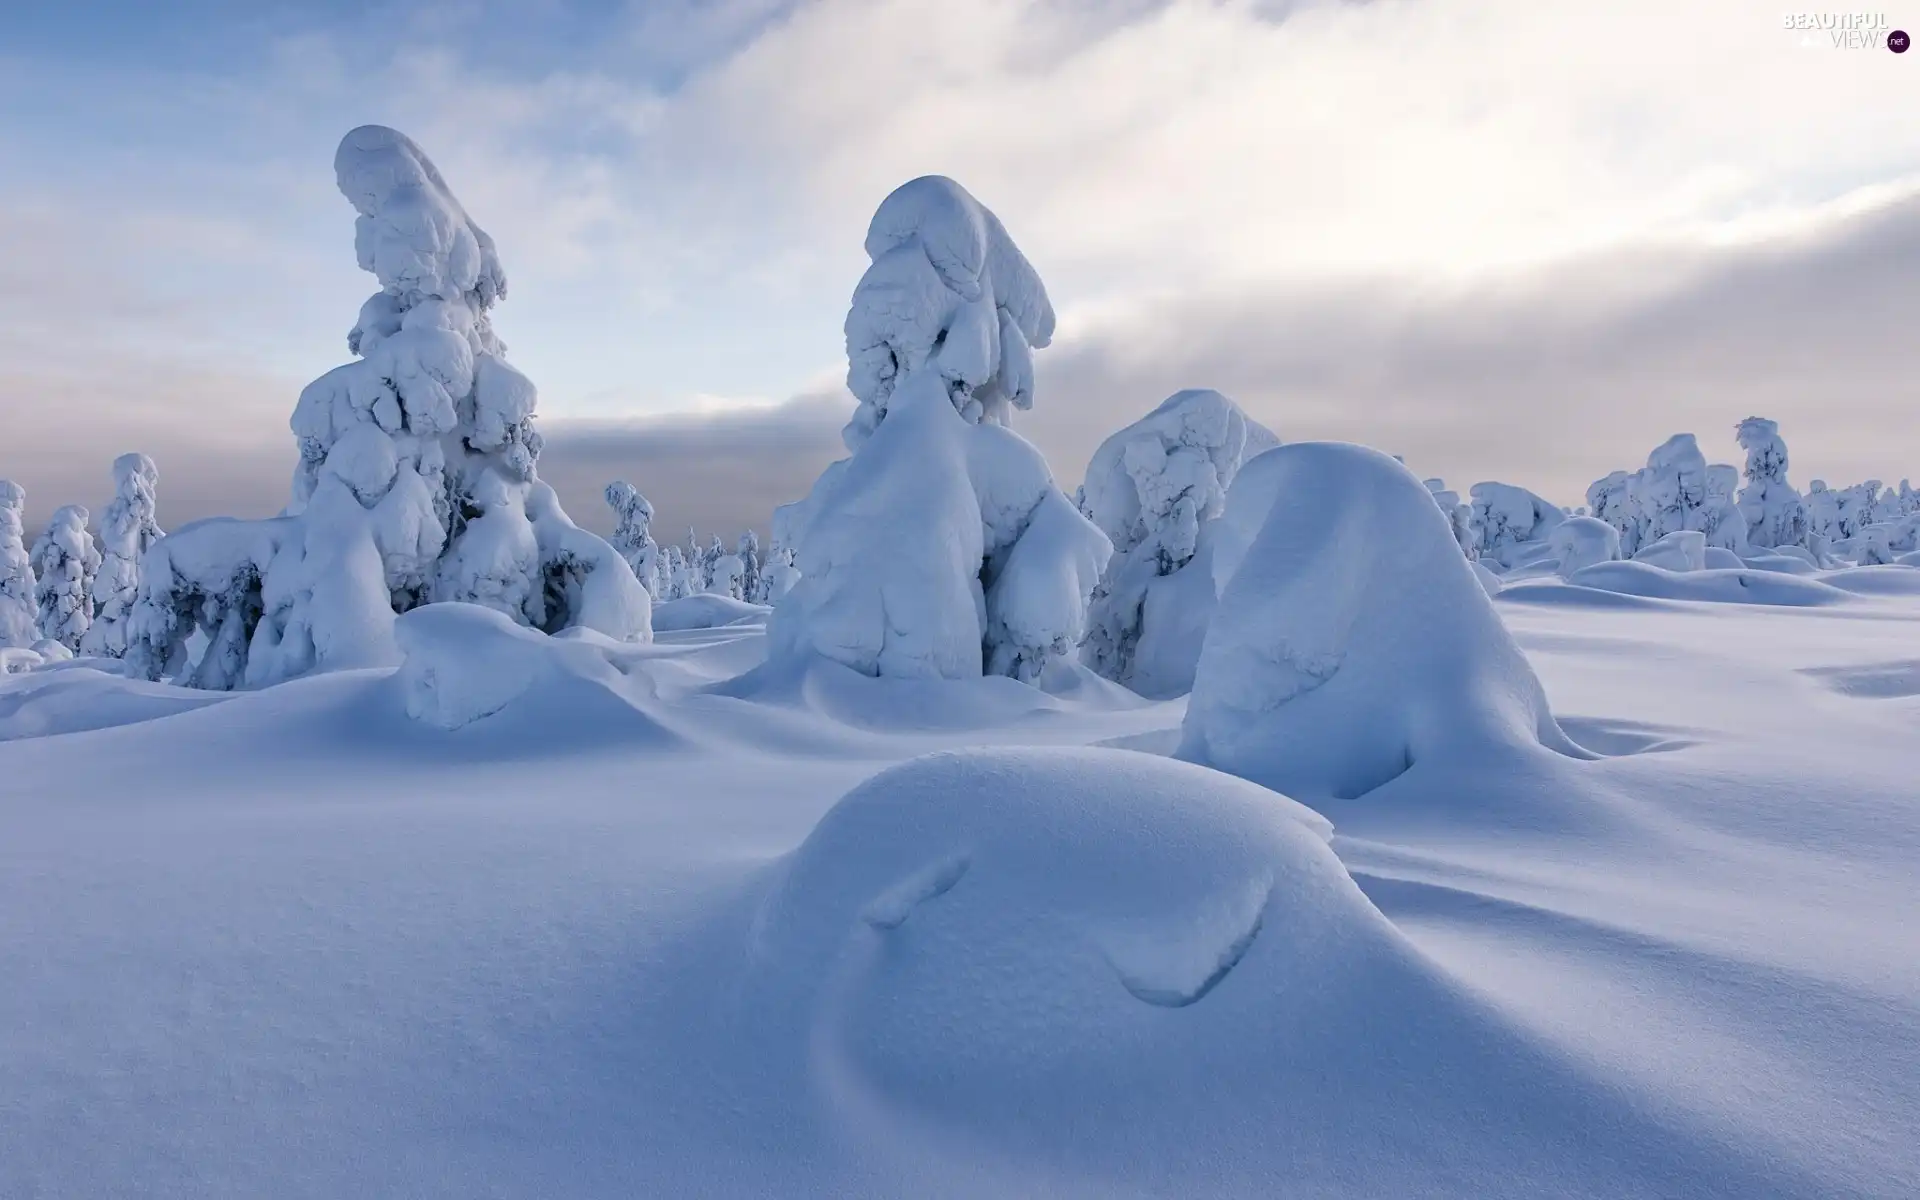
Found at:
[127, 531]
[64, 564]
[632, 534]
[1775, 513]
[416, 479]
[941, 547]
[19, 611]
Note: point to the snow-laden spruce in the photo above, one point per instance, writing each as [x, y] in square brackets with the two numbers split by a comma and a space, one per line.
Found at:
[19, 612]
[128, 529]
[1151, 488]
[64, 564]
[1776, 515]
[416, 477]
[941, 547]
[1513, 523]
[1352, 641]
[633, 533]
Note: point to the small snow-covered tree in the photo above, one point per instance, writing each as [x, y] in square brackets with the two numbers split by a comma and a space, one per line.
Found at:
[1775, 513]
[1673, 488]
[19, 611]
[1720, 518]
[941, 547]
[1509, 518]
[64, 564]
[752, 568]
[1823, 514]
[127, 531]
[416, 478]
[1150, 488]
[632, 534]
[1611, 500]
[725, 572]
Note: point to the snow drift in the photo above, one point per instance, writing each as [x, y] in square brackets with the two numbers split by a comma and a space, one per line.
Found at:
[1352, 641]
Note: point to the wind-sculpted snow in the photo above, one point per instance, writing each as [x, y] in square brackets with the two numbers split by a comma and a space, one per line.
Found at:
[1682, 550]
[1352, 641]
[1151, 488]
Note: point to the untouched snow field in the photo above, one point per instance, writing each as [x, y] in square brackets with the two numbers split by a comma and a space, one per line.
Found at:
[614, 938]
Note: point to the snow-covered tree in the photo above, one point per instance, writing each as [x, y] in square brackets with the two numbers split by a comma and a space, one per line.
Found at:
[1150, 488]
[632, 534]
[1612, 500]
[1583, 541]
[1719, 517]
[64, 564]
[127, 531]
[1775, 513]
[416, 478]
[1823, 513]
[1510, 518]
[19, 611]
[1459, 516]
[752, 568]
[724, 570]
[1673, 488]
[941, 547]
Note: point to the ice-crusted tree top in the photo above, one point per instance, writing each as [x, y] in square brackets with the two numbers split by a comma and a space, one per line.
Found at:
[948, 290]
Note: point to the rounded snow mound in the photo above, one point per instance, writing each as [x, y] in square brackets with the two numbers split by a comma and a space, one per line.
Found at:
[981, 917]
[1352, 640]
[464, 663]
[705, 610]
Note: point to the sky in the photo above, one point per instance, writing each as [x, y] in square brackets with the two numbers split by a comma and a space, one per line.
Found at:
[1504, 239]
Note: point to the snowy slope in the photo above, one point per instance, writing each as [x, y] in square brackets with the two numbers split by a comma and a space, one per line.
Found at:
[623, 937]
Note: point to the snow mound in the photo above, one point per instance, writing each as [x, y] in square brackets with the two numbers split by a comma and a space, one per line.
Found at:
[1682, 550]
[1351, 640]
[78, 697]
[1751, 586]
[987, 916]
[1583, 541]
[705, 610]
[463, 663]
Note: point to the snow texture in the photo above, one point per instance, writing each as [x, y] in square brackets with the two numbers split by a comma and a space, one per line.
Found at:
[127, 531]
[19, 611]
[64, 565]
[941, 548]
[1151, 488]
[416, 478]
[1352, 642]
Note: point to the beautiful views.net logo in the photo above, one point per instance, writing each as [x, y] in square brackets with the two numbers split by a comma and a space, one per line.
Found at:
[1846, 30]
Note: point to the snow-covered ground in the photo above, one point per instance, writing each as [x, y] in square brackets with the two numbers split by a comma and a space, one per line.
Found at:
[601, 942]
